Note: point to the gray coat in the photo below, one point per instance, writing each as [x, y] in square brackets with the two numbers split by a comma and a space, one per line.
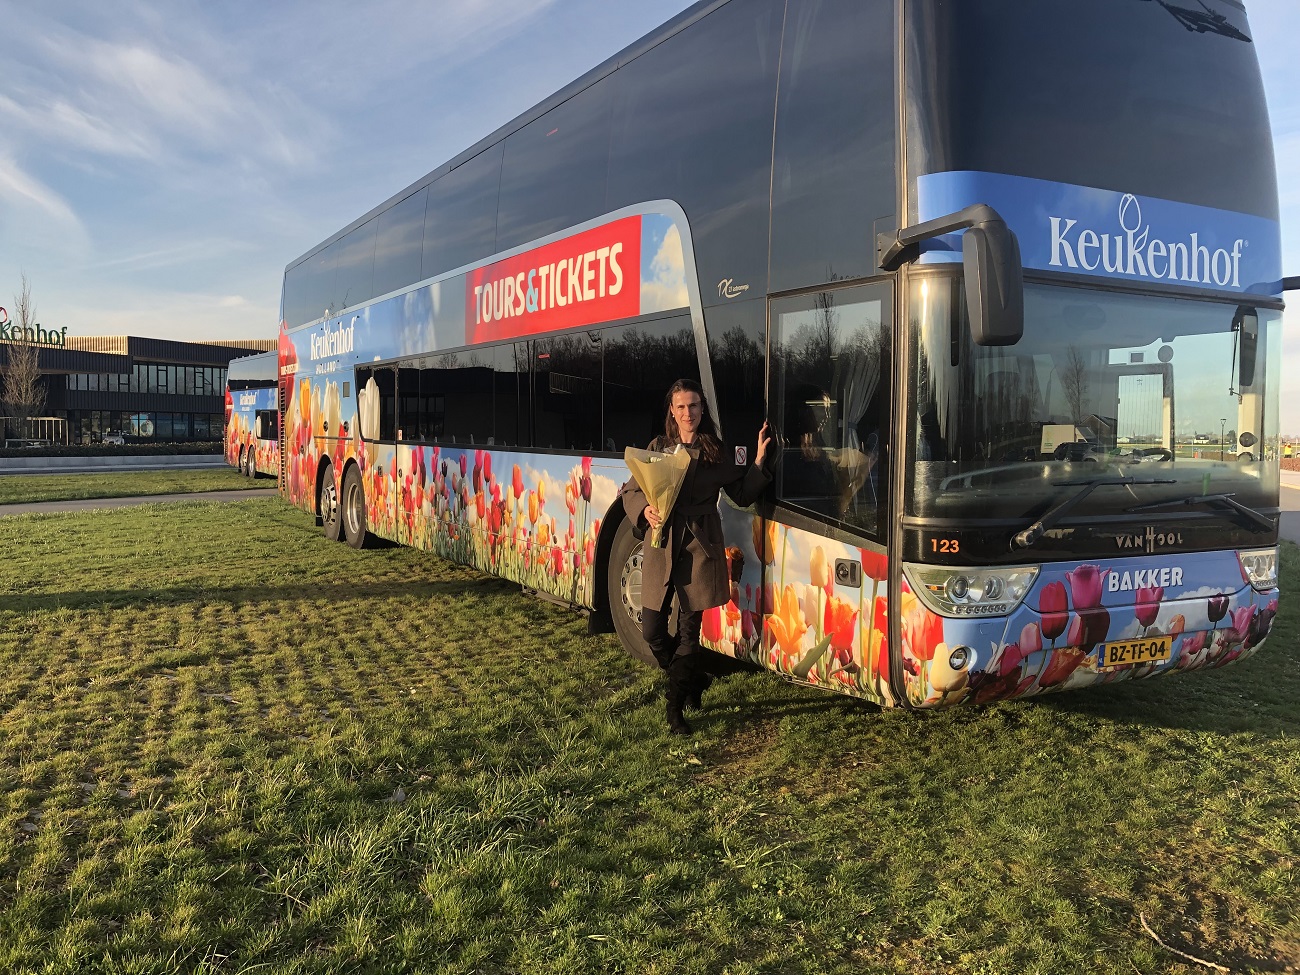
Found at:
[697, 570]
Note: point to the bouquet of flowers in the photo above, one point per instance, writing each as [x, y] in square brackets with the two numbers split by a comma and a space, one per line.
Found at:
[660, 478]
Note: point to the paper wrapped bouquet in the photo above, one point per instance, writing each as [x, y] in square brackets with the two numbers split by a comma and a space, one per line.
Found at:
[660, 478]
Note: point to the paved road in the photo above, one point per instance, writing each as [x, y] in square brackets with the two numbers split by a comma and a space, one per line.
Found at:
[1291, 506]
[92, 503]
[100, 465]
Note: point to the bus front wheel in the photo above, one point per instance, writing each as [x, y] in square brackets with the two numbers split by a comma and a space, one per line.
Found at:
[354, 510]
[623, 587]
[329, 506]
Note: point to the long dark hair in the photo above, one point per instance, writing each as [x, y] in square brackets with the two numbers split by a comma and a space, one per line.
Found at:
[706, 436]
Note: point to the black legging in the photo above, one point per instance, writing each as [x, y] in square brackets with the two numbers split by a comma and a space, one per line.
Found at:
[680, 655]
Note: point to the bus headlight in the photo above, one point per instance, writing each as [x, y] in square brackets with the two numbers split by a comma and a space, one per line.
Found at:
[971, 592]
[1259, 565]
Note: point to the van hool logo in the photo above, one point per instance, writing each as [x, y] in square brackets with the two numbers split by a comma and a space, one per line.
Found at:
[1150, 540]
[1134, 253]
[10, 332]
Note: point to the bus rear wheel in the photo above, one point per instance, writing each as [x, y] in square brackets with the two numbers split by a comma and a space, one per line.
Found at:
[329, 506]
[623, 588]
[353, 510]
[250, 464]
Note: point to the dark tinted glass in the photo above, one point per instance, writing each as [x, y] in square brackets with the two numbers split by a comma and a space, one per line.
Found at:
[399, 241]
[463, 383]
[553, 175]
[313, 286]
[566, 392]
[354, 267]
[1110, 93]
[641, 362]
[294, 300]
[737, 344]
[830, 379]
[509, 380]
[460, 223]
[834, 169]
[693, 123]
[410, 414]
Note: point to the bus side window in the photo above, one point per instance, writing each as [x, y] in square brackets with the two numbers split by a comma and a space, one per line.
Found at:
[508, 372]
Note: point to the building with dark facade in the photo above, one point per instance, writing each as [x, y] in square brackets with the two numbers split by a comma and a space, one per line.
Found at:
[142, 389]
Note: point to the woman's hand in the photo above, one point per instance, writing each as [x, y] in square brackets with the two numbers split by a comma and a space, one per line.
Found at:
[764, 438]
[651, 515]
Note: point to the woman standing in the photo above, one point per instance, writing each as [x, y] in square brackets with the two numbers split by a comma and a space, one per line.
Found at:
[693, 562]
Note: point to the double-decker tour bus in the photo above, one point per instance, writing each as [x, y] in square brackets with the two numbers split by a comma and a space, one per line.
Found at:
[253, 416]
[994, 271]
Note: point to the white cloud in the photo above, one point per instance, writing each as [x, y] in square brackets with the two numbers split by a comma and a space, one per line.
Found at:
[22, 191]
[666, 287]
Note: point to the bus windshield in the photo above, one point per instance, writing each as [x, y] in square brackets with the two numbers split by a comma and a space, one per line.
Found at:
[1163, 398]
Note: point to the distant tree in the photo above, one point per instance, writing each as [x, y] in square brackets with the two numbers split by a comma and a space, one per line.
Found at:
[22, 393]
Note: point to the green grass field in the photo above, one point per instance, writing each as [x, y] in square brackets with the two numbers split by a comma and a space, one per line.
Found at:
[227, 745]
[28, 488]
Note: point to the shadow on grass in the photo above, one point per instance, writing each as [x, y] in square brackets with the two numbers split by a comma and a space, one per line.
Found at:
[250, 596]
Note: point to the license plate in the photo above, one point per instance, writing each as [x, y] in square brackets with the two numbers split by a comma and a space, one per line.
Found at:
[1147, 650]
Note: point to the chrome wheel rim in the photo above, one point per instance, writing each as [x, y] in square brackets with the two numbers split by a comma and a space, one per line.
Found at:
[352, 510]
[329, 506]
[629, 585]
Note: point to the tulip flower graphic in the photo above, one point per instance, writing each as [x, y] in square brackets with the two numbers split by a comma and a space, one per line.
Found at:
[1216, 607]
[875, 565]
[1013, 654]
[1064, 662]
[1188, 648]
[1148, 604]
[787, 625]
[711, 625]
[1242, 617]
[819, 570]
[764, 540]
[1085, 586]
[840, 624]
[1055, 609]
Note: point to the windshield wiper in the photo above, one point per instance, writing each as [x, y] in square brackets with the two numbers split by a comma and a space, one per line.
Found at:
[1039, 528]
[1258, 521]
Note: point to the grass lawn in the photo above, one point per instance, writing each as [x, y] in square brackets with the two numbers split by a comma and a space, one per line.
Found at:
[227, 745]
[28, 488]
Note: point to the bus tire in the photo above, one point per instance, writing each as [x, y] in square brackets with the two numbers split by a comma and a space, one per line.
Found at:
[352, 511]
[250, 464]
[623, 588]
[330, 516]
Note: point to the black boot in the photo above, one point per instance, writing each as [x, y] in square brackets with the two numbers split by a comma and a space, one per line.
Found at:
[696, 692]
[681, 673]
[676, 722]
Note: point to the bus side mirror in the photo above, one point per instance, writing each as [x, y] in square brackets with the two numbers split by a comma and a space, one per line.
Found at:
[995, 289]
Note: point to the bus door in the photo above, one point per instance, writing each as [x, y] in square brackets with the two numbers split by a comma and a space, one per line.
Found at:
[828, 398]
[829, 382]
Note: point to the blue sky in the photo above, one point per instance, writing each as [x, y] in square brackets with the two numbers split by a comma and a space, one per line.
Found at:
[161, 162]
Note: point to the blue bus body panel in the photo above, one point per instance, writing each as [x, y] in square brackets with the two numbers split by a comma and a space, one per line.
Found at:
[1111, 234]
